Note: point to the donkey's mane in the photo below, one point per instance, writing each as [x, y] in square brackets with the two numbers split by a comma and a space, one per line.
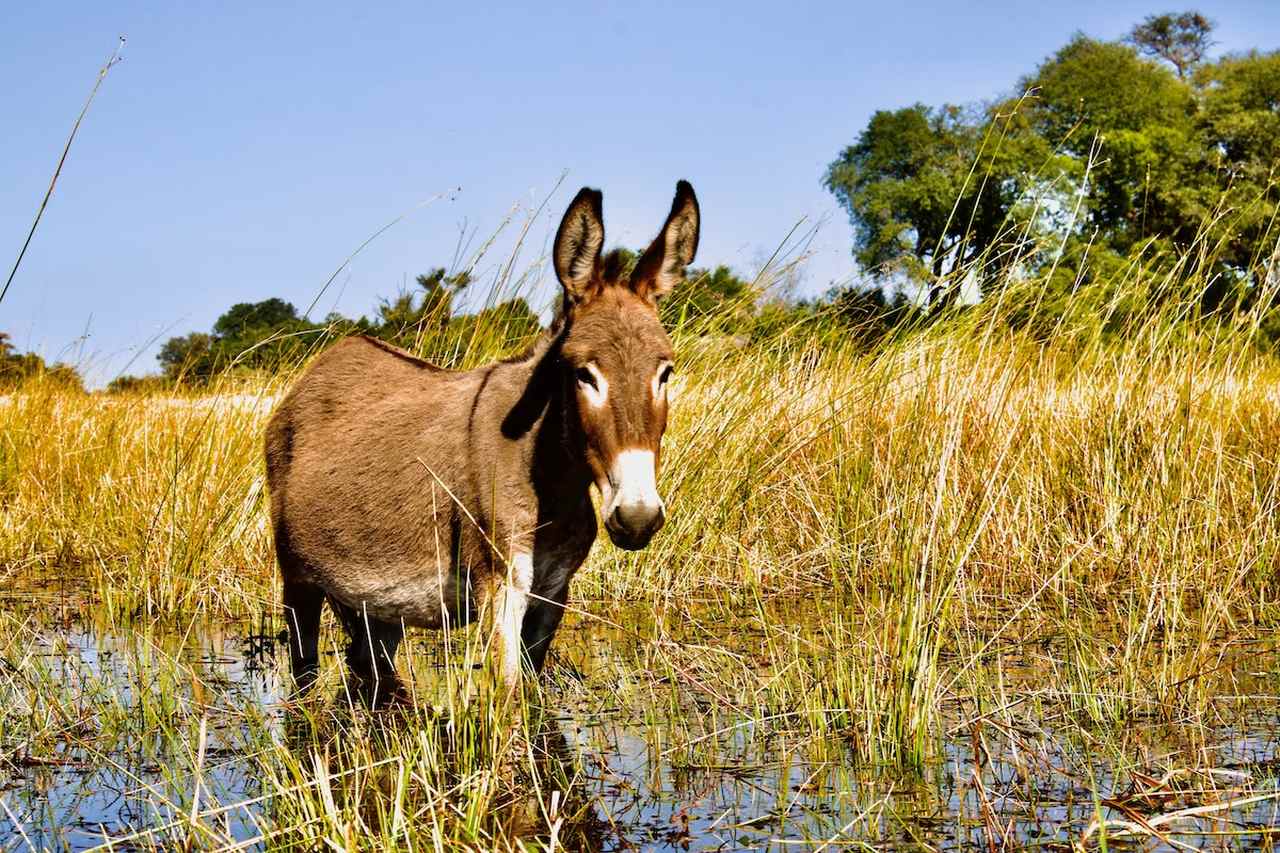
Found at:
[545, 340]
[402, 354]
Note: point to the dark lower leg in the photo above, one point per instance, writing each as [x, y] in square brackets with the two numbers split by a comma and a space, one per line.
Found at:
[372, 649]
[540, 623]
[302, 604]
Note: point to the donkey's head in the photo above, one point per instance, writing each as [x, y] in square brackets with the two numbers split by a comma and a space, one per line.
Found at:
[617, 357]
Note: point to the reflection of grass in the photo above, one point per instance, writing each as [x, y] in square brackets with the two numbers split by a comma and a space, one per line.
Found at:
[966, 526]
[644, 731]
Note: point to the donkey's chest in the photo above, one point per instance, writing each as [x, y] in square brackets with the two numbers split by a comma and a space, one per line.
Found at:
[561, 548]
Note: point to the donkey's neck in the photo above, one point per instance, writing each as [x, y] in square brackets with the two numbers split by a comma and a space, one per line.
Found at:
[544, 415]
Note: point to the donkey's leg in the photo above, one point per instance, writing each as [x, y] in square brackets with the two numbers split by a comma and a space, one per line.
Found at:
[302, 604]
[371, 649]
[540, 623]
[510, 602]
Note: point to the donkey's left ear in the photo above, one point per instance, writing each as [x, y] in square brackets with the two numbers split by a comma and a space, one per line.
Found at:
[662, 265]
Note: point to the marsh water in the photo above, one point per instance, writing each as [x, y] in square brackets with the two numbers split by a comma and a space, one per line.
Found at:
[687, 775]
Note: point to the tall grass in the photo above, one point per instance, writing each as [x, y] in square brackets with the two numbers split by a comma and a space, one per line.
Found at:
[884, 520]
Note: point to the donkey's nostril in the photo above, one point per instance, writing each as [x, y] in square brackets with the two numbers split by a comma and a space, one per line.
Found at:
[633, 525]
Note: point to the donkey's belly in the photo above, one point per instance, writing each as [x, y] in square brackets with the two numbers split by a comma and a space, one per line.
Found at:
[417, 597]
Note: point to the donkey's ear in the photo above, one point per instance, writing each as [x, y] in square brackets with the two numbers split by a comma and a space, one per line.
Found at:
[578, 242]
[662, 265]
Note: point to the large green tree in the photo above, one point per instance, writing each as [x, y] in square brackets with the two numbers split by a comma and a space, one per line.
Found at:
[930, 191]
[1142, 148]
[1240, 124]
[902, 182]
[188, 355]
[247, 318]
[1130, 125]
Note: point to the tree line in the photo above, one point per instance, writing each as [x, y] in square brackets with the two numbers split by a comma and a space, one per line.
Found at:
[262, 336]
[715, 301]
[17, 368]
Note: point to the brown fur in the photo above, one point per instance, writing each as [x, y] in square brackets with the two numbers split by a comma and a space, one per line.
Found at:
[410, 495]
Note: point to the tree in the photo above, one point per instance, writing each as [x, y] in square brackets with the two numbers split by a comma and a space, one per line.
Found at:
[1239, 124]
[1120, 152]
[248, 335]
[899, 183]
[188, 356]
[1181, 40]
[930, 191]
[16, 368]
[246, 317]
[1179, 164]
[1093, 88]
[717, 299]
[410, 314]
[1130, 123]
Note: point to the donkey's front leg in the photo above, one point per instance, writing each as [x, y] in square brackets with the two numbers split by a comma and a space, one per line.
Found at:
[510, 603]
[542, 619]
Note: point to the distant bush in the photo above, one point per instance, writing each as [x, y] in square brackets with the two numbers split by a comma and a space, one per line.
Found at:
[250, 336]
[17, 369]
[152, 384]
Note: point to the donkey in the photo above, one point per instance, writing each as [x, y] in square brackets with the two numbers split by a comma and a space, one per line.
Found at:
[406, 494]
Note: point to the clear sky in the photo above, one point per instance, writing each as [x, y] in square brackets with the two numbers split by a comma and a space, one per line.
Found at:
[242, 151]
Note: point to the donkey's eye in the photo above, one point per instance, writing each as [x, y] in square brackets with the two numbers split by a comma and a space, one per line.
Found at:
[586, 377]
[666, 374]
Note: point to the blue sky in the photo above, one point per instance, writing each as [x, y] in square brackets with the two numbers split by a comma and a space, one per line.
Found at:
[244, 150]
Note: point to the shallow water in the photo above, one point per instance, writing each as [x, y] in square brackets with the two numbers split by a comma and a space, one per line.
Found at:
[68, 797]
[746, 785]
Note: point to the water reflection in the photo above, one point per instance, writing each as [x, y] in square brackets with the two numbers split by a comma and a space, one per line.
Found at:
[102, 764]
[113, 756]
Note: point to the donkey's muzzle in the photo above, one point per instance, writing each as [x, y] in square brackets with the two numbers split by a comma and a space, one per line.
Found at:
[631, 526]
